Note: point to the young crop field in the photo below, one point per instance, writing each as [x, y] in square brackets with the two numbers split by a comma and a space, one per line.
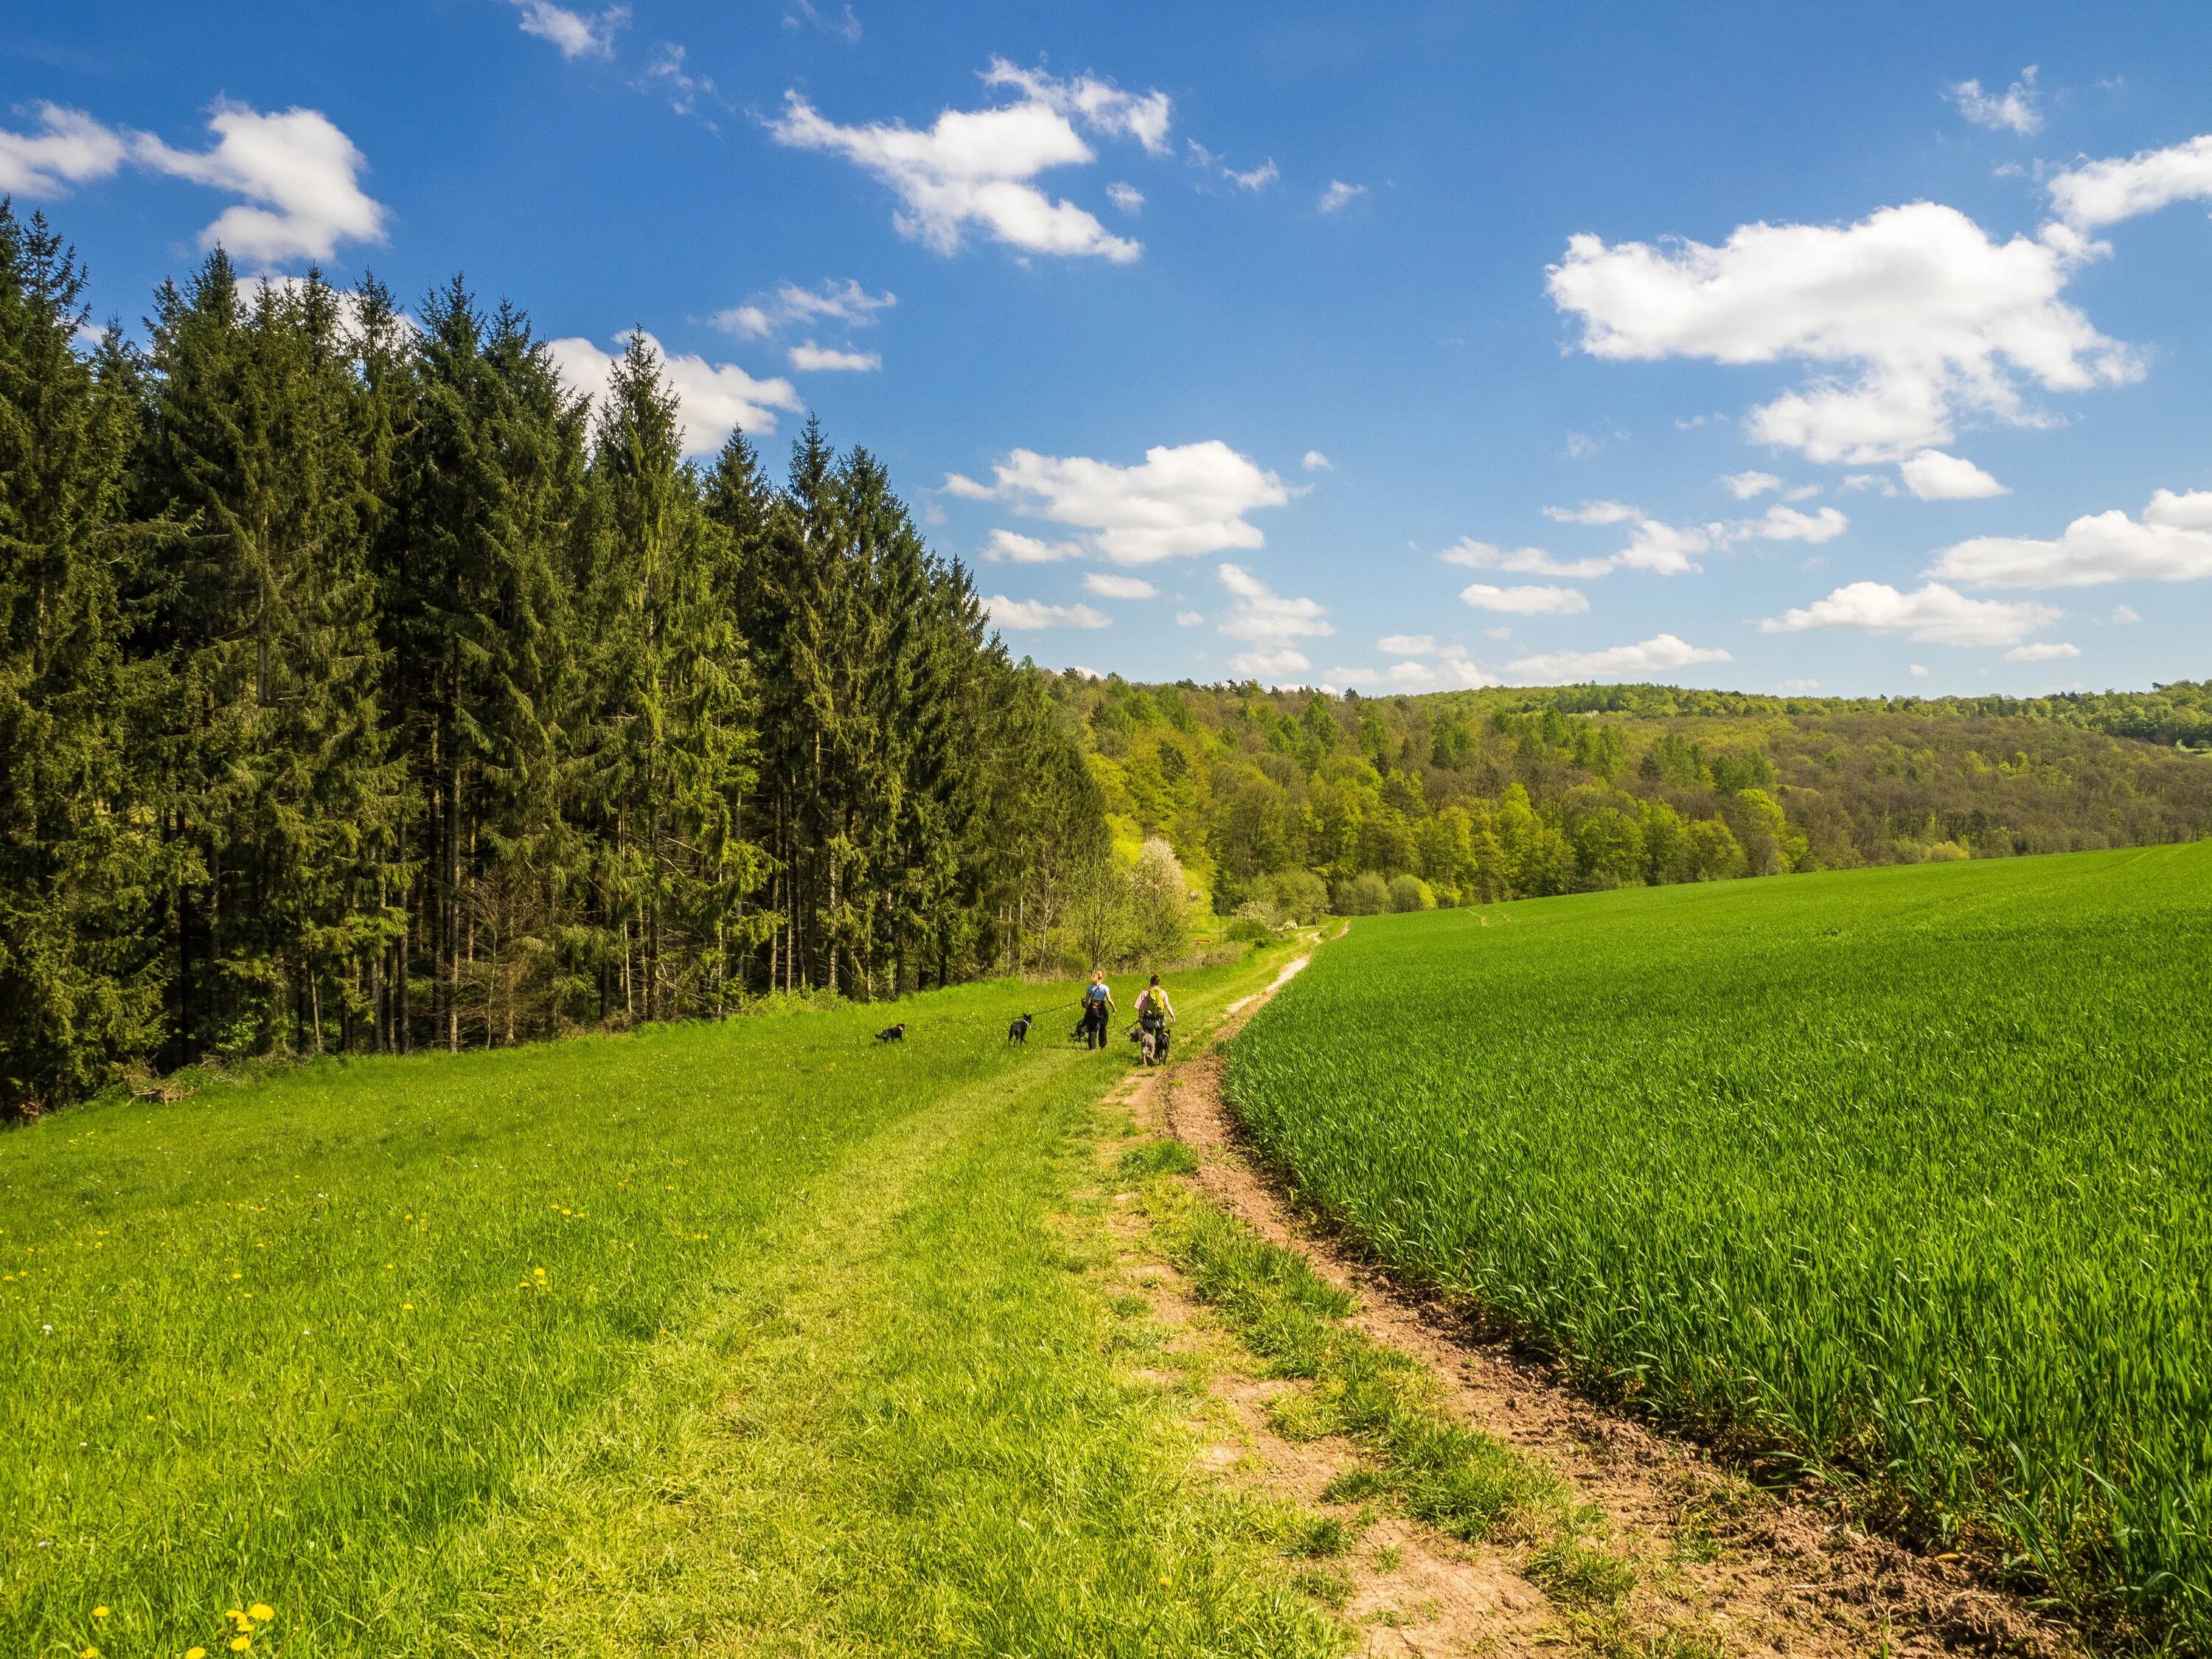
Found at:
[756, 1336]
[1905, 1173]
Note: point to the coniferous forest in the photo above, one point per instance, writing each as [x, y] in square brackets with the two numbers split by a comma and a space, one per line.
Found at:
[363, 690]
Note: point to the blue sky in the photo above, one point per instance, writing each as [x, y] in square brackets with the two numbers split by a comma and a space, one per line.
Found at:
[1404, 347]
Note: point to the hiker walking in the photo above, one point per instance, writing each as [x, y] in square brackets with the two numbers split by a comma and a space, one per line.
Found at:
[1155, 1013]
[1097, 1009]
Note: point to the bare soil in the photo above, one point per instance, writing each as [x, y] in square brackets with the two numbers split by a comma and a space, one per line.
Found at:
[1721, 1567]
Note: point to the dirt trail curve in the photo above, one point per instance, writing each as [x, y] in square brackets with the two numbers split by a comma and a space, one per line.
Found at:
[1722, 1566]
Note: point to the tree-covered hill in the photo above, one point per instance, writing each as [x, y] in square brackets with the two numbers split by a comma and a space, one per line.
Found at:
[1283, 802]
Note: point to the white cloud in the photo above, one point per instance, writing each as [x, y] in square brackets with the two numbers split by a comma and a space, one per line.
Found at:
[667, 75]
[1189, 618]
[1127, 197]
[2171, 541]
[1592, 513]
[575, 34]
[1916, 670]
[808, 358]
[1914, 315]
[711, 397]
[975, 167]
[2014, 110]
[1664, 550]
[2125, 613]
[1524, 601]
[831, 301]
[1119, 588]
[1179, 503]
[69, 147]
[1099, 105]
[1801, 685]
[1933, 614]
[1784, 524]
[1314, 461]
[1339, 194]
[2043, 650]
[1744, 485]
[1457, 671]
[1935, 476]
[302, 170]
[1270, 663]
[1013, 547]
[1258, 178]
[847, 27]
[1265, 617]
[1521, 560]
[1660, 655]
[1035, 613]
[1407, 645]
[2099, 193]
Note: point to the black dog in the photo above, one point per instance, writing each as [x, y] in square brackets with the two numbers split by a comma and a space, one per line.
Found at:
[1019, 1030]
[893, 1033]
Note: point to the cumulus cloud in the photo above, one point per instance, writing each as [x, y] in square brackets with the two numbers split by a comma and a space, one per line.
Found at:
[1314, 461]
[1528, 601]
[1012, 547]
[1592, 513]
[68, 148]
[1745, 485]
[1179, 503]
[666, 74]
[1801, 685]
[1189, 618]
[1271, 662]
[829, 301]
[1119, 588]
[2043, 650]
[1339, 194]
[846, 27]
[1660, 655]
[1126, 196]
[2171, 541]
[1914, 317]
[1933, 614]
[1935, 476]
[1784, 524]
[2126, 613]
[1267, 618]
[2012, 111]
[1453, 671]
[808, 357]
[1026, 614]
[1407, 645]
[711, 397]
[301, 173]
[976, 168]
[1521, 560]
[2099, 193]
[573, 32]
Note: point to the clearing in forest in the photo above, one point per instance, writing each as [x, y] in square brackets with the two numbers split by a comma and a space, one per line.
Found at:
[1897, 1176]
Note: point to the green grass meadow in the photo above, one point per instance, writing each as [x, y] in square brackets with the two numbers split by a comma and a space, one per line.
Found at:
[1902, 1172]
[749, 1338]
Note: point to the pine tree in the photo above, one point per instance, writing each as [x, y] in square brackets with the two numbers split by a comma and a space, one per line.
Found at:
[79, 981]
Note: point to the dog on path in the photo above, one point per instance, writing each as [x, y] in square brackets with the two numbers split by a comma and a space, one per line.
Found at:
[892, 1033]
[1019, 1030]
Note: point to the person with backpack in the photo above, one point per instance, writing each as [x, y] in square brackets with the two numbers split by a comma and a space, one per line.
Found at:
[1155, 1013]
[1097, 1009]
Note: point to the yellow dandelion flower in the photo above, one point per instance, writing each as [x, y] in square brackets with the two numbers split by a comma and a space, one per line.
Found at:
[194, 1653]
[90, 1653]
[240, 1644]
[407, 1307]
[99, 1612]
[262, 1611]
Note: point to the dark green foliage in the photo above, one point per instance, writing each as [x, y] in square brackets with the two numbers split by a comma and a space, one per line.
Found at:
[361, 688]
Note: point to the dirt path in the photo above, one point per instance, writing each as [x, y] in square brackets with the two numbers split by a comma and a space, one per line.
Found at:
[1721, 1568]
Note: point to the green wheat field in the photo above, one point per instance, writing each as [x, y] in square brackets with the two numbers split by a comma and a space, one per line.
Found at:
[1900, 1175]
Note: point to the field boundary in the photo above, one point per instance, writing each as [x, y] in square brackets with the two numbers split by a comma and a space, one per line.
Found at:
[1719, 1565]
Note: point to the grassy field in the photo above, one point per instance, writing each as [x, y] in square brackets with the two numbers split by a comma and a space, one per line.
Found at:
[752, 1338]
[1903, 1172]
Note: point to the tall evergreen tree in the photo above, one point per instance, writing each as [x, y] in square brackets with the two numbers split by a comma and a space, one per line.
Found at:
[80, 977]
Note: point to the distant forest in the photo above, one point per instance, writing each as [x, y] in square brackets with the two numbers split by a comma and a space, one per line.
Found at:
[362, 690]
[1285, 804]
